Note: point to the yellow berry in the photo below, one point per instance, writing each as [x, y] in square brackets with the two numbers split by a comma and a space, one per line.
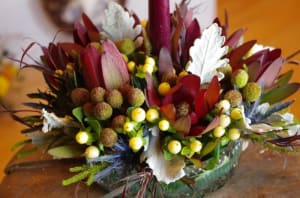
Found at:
[136, 143]
[147, 68]
[138, 114]
[82, 137]
[224, 121]
[219, 131]
[131, 66]
[183, 73]
[91, 152]
[152, 115]
[234, 134]
[236, 114]
[164, 88]
[128, 126]
[223, 106]
[163, 125]
[174, 147]
[59, 72]
[150, 61]
[196, 146]
[69, 67]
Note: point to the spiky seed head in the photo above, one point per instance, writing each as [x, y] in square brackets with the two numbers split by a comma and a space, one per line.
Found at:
[118, 123]
[108, 137]
[97, 94]
[239, 78]
[103, 111]
[114, 98]
[135, 97]
[79, 96]
[252, 91]
[88, 109]
[234, 97]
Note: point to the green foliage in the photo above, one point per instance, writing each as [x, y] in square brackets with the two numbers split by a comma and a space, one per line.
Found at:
[66, 151]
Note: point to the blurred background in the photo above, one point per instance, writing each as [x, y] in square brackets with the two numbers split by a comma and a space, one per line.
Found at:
[271, 22]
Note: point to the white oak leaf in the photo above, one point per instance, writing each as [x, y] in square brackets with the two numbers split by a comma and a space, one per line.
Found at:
[118, 23]
[166, 171]
[207, 52]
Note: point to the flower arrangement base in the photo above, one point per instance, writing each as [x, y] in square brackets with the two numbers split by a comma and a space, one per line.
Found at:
[257, 175]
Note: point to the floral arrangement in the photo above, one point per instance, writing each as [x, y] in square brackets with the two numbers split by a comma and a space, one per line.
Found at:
[157, 97]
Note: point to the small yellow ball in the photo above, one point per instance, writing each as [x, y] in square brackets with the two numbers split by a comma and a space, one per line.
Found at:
[150, 61]
[219, 131]
[138, 114]
[128, 126]
[224, 121]
[223, 106]
[196, 146]
[82, 137]
[136, 143]
[147, 68]
[163, 125]
[152, 115]
[234, 134]
[4, 86]
[174, 147]
[183, 73]
[236, 114]
[92, 152]
[131, 66]
[164, 88]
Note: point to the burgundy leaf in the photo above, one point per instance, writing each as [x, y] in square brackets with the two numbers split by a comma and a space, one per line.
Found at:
[91, 65]
[234, 39]
[80, 34]
[236, 55]
[71, 48]
[270, 74]
[88, 23]
[152, 97]
[201, 106]
[213, 93]
[192, 33]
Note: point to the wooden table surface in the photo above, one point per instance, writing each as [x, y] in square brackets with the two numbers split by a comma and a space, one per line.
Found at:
[272, 22]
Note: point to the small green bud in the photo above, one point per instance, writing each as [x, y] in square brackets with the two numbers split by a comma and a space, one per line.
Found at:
[239, 78]
[103, 111]
[252, 91]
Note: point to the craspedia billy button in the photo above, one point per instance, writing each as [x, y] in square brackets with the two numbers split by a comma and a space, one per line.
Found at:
[108, 137]
[118, 123]
[239, 78]
[252, 91]
[103, 111]
[174, 147]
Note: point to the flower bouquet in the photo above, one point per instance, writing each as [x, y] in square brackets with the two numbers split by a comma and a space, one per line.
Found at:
[160, 107]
